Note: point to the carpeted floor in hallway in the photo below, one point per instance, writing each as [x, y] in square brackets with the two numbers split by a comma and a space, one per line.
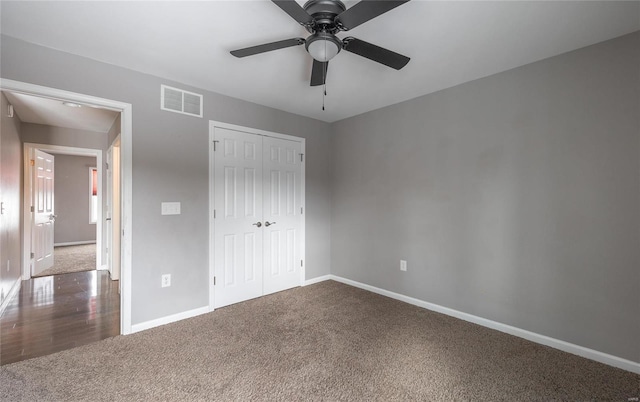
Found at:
[68, 259]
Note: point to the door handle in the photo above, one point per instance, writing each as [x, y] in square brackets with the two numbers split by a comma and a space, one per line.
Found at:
[267, 223]
[52, 217]
[258, 224]
[107, 219]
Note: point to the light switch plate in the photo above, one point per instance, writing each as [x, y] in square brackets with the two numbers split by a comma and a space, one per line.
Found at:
[170, 208]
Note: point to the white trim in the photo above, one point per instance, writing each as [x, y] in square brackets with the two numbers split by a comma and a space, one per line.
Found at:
[169, 319]
[126, 177]
[59, 150]
[235, 127]
[508, 329]
[318, 279]
[211, 203]
[10, 295]
[27, 261]
[212, 125]
[75, 243]
[303, 215]
[126, 216]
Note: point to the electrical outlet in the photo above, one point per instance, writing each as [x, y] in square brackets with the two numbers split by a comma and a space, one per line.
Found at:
[403, 265]
[166, 280]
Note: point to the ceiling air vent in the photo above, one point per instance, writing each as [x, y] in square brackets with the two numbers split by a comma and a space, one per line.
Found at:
[179, 101]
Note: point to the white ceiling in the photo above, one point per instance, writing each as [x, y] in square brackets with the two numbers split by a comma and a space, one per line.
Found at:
[51, 112]
[449, 42]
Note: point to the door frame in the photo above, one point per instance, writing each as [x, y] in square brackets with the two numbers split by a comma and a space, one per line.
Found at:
[212, 126]
[27, 217]
[126, 176]
[107, 207]
[114, 207]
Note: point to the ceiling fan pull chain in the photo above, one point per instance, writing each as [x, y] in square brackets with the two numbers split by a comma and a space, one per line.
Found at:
[324, 92]
[324, 76]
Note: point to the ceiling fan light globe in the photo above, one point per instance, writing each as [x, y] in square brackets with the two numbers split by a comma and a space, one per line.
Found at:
[323, 50]
[323, 46]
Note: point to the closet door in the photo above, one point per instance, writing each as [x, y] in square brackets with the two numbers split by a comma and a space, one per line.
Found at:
[238, 230]
[282, 213]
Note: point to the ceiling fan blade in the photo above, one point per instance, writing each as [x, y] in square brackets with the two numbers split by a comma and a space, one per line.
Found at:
[295, 11]
[364, 11]
[375, 53]
[319, 73]
[267, 47]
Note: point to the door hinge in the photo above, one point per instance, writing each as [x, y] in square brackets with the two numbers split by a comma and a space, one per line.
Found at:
[32, 255]
[301, 263]
[33, 162]
[107, 166]
[215, 143]
[214, 281]
[32, 208]
[301, 210]
[301, 157]
[214, 214]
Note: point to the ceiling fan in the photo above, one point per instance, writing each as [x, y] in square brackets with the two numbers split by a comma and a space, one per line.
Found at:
[324, 19]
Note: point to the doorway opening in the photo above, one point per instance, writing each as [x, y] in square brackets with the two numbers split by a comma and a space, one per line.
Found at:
[108, 279]
[64, 206]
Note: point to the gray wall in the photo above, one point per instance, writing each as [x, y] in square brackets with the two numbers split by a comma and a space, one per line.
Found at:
[170, 163]
[513, 197]
[68, 137]
[71, 202]
[10, 187]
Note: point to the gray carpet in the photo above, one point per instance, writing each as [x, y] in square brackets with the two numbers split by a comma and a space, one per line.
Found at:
[327, 341]
[68, 259]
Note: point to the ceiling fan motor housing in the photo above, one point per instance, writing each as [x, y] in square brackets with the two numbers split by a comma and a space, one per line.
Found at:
[323, 45]
[324, 13]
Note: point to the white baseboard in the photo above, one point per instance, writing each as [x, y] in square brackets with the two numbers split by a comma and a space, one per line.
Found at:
[168, 319]
[74, 243]
[528, 335]
[12, 292]
[317, 279]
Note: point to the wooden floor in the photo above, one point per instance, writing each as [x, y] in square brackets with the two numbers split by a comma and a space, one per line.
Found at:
[59, 312]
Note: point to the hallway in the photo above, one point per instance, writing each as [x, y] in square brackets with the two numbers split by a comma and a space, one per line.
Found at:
[59, 312]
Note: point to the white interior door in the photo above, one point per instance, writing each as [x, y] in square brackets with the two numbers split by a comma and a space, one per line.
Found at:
[43, 211]
[258, 221]
[238, 217]
[282, 214]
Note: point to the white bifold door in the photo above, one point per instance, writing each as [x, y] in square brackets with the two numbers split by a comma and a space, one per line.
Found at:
[258, 215]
